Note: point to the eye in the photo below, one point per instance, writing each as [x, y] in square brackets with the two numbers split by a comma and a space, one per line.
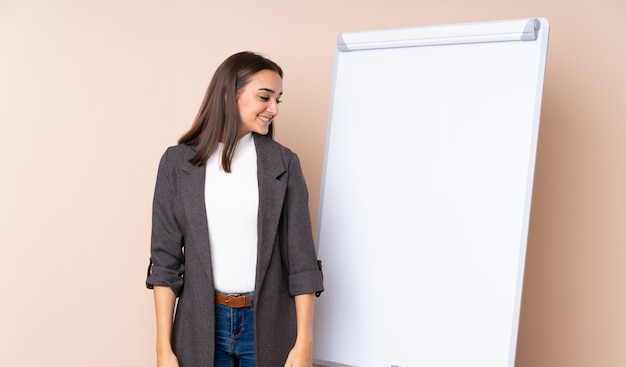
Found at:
[267, 99]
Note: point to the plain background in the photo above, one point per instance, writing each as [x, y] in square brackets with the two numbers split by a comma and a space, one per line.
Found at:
[92, 92]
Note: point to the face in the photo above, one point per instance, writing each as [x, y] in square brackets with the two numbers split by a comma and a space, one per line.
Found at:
[258, 102]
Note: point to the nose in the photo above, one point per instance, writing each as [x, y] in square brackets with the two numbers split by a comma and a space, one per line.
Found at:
[272, 107]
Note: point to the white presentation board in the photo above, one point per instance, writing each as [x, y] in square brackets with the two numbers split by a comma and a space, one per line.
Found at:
[426, 194]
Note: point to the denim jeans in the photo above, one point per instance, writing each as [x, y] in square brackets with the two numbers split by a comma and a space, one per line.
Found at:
[234, 336]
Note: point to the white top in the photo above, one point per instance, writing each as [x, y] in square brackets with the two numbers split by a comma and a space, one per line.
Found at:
[232, 204]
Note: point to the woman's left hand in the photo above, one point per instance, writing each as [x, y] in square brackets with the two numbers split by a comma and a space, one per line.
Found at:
[300, 356]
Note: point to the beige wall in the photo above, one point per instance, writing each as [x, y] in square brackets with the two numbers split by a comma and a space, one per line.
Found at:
[91, 93]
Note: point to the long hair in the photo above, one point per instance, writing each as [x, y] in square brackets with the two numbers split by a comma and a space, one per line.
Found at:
[218, 118]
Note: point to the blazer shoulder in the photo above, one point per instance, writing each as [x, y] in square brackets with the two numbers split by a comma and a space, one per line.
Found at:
[268, 145]
[176, 158]
[178, 154]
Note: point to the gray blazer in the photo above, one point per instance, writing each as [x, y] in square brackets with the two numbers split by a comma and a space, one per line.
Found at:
[180, 254]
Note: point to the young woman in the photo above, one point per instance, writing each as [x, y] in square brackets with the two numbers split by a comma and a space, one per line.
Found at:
[232, 264]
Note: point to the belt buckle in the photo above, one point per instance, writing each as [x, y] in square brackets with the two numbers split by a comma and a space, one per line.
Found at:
[235, 296]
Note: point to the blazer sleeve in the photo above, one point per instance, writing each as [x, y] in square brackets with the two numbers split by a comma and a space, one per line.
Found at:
[167, 241]
[305, 273]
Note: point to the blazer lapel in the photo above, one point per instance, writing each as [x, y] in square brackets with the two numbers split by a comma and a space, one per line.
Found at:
[271, 196]
[192, 181]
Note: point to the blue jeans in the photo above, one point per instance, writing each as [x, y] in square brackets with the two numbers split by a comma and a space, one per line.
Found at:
[234, 336]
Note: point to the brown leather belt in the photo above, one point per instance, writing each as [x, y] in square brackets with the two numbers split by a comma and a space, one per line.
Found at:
[233, 300]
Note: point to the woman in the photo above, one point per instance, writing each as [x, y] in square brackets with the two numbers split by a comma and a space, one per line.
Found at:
[231, 233]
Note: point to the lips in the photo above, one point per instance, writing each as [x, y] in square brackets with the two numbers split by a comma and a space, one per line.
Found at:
[266, 119]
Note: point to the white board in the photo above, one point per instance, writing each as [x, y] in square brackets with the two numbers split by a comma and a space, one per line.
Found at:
[426, 194]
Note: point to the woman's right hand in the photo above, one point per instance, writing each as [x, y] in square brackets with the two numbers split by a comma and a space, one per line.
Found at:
[167, 359]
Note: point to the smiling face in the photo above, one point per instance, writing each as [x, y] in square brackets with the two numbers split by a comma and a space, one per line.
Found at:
[258, 102]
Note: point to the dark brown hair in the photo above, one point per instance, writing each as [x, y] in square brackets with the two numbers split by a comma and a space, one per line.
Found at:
[218, 117]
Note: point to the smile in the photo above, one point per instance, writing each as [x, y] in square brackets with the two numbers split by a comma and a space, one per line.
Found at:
[266, 119]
